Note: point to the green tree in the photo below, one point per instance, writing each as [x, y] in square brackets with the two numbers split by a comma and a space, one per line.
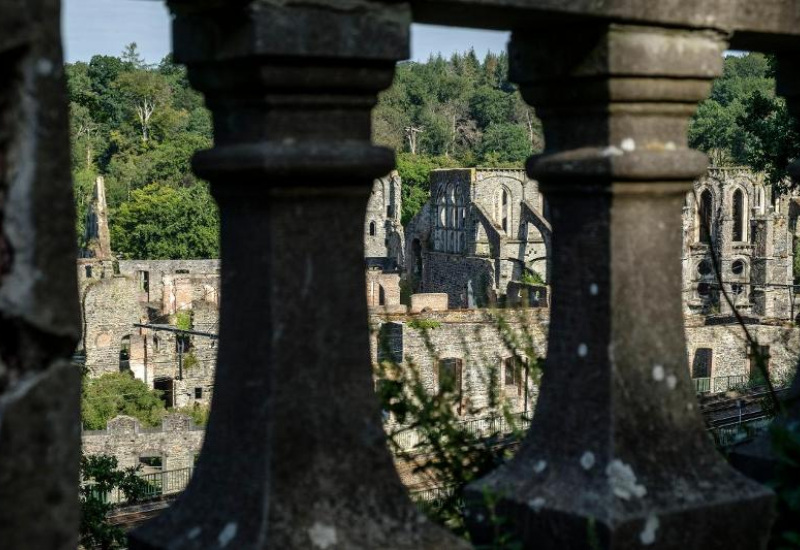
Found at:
[772, 136]
[505, 145]
[415, 170]
[100, 477]
[145, 92]
[160, 222]
[116, 394]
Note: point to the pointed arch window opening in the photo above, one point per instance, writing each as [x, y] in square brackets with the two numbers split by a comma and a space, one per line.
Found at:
[451, 220]
[502, 212]
[760, 200]
[704, 212]
[739, 211]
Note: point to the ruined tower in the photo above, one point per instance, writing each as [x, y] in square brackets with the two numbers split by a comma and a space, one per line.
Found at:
[96, 239]
[95, 258]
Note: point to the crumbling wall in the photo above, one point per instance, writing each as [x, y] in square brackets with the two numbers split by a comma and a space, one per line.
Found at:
[177, 441]
[474, 337]
[110, 309]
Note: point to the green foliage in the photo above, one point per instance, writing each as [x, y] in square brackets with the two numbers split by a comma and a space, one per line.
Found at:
[199, 413]
[424, 324]
[183, 320]
[453, 104]
[189, 361]
[505, 145]
[796, 262]
[743, 122]
[100, 478]
[160, 222]
[139, 126]
[448, 455]
[530, 277]
[786, 443]
[415, 170]
[120, 393]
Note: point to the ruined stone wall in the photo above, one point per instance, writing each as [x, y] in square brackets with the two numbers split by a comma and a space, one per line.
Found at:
[110, 309]
[474, 337]
[198, 379]
[384, 242]
[177, 441]
[477, 217]
[731, 354]
[459, 277]
[112, 305]
[163, 272]
[753, 267]
[383, 289]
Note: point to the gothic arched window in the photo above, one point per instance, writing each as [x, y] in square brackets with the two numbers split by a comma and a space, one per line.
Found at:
[704, 217]
[502, 210]
[739, 216]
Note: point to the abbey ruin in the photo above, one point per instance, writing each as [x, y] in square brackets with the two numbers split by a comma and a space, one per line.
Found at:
[474, 258]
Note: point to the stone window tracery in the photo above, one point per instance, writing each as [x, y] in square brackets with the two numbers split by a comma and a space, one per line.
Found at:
[451, 220]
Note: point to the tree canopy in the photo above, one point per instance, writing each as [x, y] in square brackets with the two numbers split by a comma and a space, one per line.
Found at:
[744, 122]
[119, 393]
[139, 126]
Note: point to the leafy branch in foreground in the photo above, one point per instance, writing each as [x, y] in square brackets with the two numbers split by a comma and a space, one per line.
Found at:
[454, 441]
[100, 478]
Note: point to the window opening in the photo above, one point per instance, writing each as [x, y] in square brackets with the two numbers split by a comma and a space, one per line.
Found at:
[738, 215]
[125, 353]
[165, 386]
[702, 363]
[151, 464]
[759, 364]
[198, 393]
[88, 270]
[371, 229]
[144, 281]
[704, 217]
[513, 372]
[737, 267]
[451, 378]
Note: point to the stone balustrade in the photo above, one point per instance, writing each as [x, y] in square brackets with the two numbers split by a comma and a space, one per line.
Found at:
[291, 86]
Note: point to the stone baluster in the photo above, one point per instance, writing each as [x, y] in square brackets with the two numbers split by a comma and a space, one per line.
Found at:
[39, 386]
[295, 455]
[617, 456]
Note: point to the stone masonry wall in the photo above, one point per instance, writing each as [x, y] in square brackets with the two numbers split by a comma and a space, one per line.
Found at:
[110, 309]
[731, 356]
[472, 336]
[177, 441]
[458, 276]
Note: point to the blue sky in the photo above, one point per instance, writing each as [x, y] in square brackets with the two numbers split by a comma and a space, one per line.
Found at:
[106, 26]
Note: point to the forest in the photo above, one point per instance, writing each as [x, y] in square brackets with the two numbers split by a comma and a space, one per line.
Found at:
[138, 126]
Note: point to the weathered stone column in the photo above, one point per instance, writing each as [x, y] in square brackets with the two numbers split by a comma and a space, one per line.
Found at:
[295, 456]
[39, 316]
[617, 456]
